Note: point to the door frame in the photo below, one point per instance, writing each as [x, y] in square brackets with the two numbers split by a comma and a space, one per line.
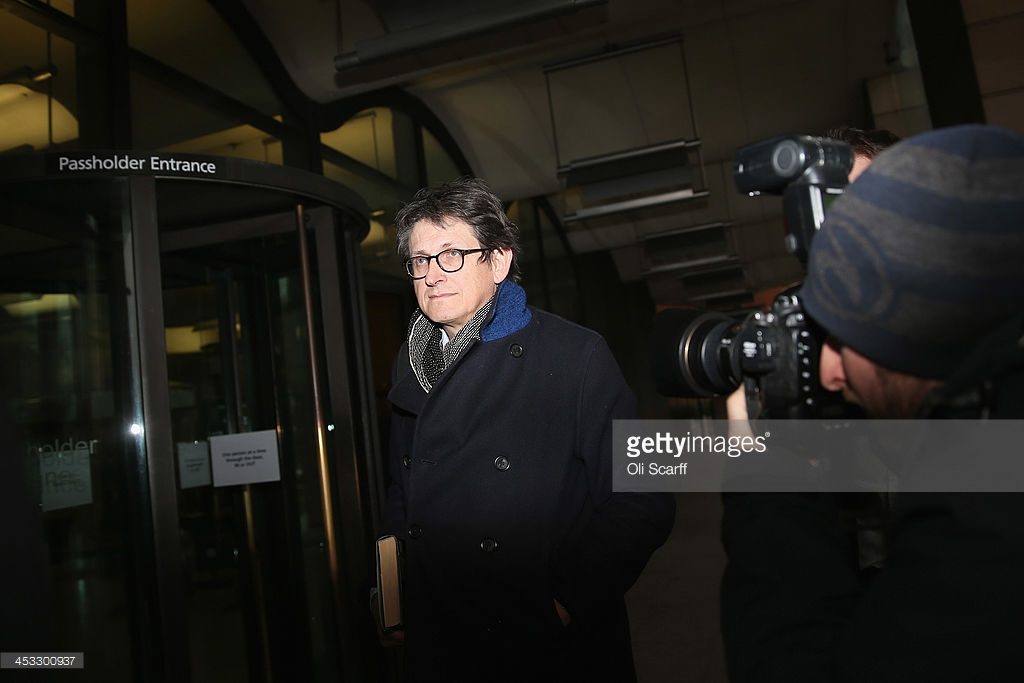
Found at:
[350, 484]
[339, 220]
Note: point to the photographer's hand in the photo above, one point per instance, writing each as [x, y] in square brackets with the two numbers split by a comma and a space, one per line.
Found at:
[736, 405]
[563, 614]
[736, 411]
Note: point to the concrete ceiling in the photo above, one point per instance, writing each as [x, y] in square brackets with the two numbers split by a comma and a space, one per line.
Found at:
[753, 68]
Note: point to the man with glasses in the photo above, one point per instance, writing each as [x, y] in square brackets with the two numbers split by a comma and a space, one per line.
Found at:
[517, 553]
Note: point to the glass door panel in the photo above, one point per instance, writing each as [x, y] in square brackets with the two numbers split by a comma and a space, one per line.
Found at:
[71, 496]
[255, 557]
[127, 545]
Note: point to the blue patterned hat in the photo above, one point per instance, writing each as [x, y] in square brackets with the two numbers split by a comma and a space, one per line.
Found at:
[924, 254]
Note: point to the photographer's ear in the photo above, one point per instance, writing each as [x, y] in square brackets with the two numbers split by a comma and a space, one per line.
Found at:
[830, 368]
[860, 164]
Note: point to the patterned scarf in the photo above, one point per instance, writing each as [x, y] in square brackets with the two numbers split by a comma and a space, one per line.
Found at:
[427, 358]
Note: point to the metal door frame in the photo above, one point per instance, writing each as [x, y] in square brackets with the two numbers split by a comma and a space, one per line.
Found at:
[165, 643]
[343, 479]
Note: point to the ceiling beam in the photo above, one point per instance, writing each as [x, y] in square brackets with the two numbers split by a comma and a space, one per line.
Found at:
[458, 28]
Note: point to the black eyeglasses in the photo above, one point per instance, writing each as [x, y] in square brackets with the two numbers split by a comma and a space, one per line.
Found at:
[449, 260]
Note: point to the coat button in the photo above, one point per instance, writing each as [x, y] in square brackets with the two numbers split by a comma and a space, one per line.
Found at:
[501, 463]
[407, 462]
[488, 545]
[415, 531]
[516, 350]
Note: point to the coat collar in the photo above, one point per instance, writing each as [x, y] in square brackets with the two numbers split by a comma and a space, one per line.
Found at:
[509, 315]
[407, 394]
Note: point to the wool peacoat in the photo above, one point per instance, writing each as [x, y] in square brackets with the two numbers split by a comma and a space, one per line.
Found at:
[500, 488]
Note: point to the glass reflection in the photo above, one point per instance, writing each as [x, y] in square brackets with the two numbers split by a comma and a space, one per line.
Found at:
[67, 455]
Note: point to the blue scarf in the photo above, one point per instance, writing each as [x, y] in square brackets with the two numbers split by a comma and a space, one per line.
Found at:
[510, 312]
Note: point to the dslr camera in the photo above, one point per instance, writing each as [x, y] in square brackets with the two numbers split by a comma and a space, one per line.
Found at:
[774, 353]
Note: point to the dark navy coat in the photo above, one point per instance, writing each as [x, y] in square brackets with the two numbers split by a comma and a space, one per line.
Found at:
[501, 491]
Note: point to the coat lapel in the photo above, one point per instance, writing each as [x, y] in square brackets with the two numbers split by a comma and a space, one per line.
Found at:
[407, 394]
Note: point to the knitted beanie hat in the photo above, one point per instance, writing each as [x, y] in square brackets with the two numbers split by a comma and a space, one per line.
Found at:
[924, 254]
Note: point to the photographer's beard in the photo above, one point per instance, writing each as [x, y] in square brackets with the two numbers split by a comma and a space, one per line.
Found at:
[900, 395]
[881, 392]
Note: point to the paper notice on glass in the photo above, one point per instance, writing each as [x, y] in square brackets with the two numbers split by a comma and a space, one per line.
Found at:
[248, 458]
[193, 464]
[65, 478]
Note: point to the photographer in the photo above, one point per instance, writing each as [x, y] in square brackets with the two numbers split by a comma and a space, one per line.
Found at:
[916, 278]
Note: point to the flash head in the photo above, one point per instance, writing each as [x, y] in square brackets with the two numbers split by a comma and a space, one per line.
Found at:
[771, 165]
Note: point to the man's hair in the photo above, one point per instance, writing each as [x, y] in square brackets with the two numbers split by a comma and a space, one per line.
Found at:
[865, 143]
[466, 199]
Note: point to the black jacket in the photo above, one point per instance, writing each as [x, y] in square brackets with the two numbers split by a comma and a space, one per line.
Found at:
[501, 490]
[948, 604]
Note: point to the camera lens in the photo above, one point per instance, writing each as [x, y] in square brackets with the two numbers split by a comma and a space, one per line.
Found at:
[692, 353]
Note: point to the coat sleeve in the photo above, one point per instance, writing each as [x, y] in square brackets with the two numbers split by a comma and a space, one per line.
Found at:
[393, 518]
[609, 547]
[790, 584]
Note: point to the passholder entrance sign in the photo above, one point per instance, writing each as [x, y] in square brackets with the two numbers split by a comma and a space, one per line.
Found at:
[132, 163]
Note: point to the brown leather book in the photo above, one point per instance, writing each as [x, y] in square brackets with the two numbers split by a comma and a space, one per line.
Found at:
[389, 582]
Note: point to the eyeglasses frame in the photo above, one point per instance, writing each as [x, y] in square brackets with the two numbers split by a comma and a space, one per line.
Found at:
[436, 257]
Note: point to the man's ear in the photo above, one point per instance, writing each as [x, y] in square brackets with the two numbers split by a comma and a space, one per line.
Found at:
[501, 263]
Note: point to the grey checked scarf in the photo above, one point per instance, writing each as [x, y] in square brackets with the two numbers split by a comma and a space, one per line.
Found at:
[427, 358]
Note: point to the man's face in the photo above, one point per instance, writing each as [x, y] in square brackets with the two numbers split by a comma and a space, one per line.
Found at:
[451, 299]
[879, 391]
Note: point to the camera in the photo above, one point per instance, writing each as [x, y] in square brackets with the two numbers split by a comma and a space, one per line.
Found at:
[774, 353]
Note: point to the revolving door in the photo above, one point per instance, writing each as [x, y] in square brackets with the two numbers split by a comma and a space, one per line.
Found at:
[185, 380]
